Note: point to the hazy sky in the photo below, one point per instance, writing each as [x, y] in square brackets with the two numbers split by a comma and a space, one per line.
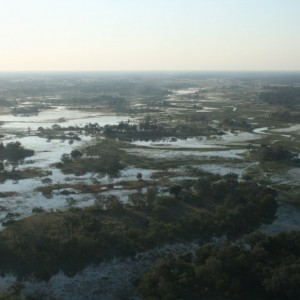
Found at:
[149, 35]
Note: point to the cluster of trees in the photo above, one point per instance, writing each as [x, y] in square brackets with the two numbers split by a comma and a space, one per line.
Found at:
[114, 101]
[151, 130]
[67, 158]
[237, 123]
[285, 96]
[9, 175]
[270, 269]
[98, 158]
[68, 241]
[230, 202]
[274, 153]
[58, 132]
[25, 110]
[148, 130]
[14, 152]
[285, 116]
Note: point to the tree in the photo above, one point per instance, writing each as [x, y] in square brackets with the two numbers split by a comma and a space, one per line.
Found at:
[137, 199]
[275, 153]
[66, 158]
[14, 152]
[139, 176]
[75, 154]
[113, 203]
[71, 201]
[175, 190]
[151, 195]
[100, 202]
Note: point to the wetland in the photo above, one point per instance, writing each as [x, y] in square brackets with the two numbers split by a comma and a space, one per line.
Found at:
[145, 172]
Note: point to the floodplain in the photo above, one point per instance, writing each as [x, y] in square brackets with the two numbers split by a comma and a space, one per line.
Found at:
[133, 153]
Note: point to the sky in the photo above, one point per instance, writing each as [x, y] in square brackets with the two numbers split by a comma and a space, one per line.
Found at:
[154, 35]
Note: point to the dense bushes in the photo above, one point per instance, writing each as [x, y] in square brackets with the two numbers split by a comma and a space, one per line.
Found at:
[270, 269]
[285, 96]
[100, 158]
[14, 152]
[44, 244]
[285, 116]
[274, 153]
[151, 130]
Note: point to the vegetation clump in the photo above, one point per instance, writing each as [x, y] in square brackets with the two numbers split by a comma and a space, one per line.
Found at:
[150, 130]
[17, 175]
[275, 153]
[98, 158]
[269, 269]
[14, 152]
[25, 110]
[285, 116]
[237, 124]
[284, 96]
[46, 243]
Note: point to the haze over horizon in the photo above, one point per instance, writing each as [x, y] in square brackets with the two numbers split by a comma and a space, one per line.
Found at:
[132, 35]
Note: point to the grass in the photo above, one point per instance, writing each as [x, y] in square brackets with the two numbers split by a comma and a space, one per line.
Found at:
[84, 188]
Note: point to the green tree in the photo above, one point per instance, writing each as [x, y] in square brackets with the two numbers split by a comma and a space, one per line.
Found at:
[66, 158]
[175, 190]
[75, 154]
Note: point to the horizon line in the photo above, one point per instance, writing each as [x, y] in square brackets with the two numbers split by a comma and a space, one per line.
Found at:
[150, 71]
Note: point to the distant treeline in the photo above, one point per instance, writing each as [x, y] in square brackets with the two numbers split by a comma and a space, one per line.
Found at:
[285, 96]
[4, 102]
[25, 110]
[112, 100]
[285, 116]
[151, 130]
[275, 153]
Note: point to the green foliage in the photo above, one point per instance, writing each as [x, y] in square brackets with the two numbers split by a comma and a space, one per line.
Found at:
[285, 96]
[151, 195]
[68, 241]
[103, 158]
[285, 116]
[175, 190]
[269, 270]
[14, 152]
[75, 154]
[14, 292]
[151, 129]
[21, 174]
[66, 158]
[243, 124]
[274, 153]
